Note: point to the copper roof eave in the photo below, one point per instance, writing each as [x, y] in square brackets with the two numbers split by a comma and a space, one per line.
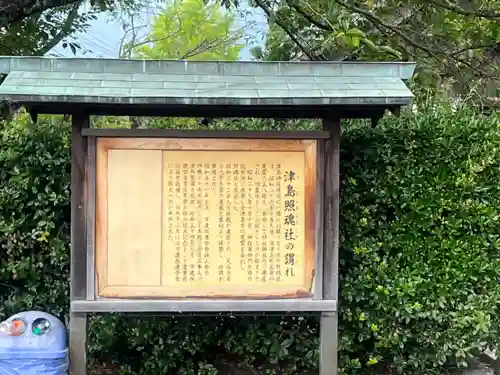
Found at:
[205, 88]
[283, 112]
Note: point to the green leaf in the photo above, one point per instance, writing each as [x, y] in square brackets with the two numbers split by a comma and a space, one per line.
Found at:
[356, 33]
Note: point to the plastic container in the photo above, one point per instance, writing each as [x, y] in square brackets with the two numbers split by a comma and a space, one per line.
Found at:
[33, 343]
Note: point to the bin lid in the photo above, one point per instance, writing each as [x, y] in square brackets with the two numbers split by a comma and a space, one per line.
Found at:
[38, 331]
[32, 354]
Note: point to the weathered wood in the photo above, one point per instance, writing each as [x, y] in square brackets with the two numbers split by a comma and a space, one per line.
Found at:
[332, 207]
[328, 355]
[78, 264]
[90, 226]
[200, 144]
[78, 211]
[169, 133]
[201, 305]
[329, 323]
[78, 343]
[320, 218]
[255, 111]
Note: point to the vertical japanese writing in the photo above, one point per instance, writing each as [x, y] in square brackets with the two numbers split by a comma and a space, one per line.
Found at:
[171, 221]
[232, 222]
[257, 224]
[184, 222]
[264, 222]
[198, 217]
[208, 170]
[179, 257]
[290, 222]
[188, 223]
[243, 217]
[222, 222]
[250, 223]
[228, 201]
[271, 186]
[278, 199]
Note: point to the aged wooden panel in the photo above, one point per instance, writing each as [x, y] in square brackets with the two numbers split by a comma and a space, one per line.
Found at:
[129, 190]
[206, 218]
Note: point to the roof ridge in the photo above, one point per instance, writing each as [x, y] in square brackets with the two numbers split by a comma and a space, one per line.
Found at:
[402, 70]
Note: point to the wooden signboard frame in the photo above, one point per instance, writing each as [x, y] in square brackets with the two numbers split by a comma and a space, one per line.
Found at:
[135, 201]
[91, 292]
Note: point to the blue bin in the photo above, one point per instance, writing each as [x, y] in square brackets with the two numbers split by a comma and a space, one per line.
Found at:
[33, 343]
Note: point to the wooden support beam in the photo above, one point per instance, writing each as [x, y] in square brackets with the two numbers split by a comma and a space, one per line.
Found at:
[78, 269]
[329, 320]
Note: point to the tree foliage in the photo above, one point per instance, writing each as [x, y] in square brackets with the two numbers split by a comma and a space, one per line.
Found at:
[12, 11]
[38, 34]
[34, 27]
[455, 43]
[190, 30]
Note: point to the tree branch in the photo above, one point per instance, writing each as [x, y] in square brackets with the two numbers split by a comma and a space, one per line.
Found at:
[65, 29]
[475, 48]
[308, 17]
[284, 27]
[493, 13]
[209, 45]
[16, 10]
[146, 41]
[376, 20]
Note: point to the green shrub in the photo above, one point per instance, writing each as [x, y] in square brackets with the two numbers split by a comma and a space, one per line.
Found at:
[420, 240]
[34, 215]
[420, 268]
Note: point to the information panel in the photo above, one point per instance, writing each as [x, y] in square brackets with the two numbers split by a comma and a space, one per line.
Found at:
[217, 222]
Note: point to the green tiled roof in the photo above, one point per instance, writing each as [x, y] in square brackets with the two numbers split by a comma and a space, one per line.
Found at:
[141, 82]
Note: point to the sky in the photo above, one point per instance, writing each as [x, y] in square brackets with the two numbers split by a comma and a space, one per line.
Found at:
[104, 35]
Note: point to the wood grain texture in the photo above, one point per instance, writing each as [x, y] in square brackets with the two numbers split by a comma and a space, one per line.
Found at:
[214, 306]
[101, 222]
[78, 265]
[320, 198]
[329, 321]
[205, 144]
[78, 260]
[130, 195]
[90, 224]
[332, 211]
[214, 134]
[310, 175]
[134, 203]
[129, 247]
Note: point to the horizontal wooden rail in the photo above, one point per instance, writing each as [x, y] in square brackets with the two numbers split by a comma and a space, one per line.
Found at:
[220, 134]
[202, 306]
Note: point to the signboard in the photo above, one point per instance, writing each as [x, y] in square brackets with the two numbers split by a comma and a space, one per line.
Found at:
[205, 218]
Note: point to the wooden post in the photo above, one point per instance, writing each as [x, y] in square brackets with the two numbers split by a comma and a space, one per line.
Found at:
[329, 320]
[78, 277]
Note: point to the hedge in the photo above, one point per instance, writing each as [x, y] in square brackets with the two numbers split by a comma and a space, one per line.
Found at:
[420, 259]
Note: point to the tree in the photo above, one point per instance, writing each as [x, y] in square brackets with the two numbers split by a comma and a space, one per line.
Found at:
[184, 30]
[456, 43]
[12, 11]
[38, 34]
[34, 27]
[188, 30]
